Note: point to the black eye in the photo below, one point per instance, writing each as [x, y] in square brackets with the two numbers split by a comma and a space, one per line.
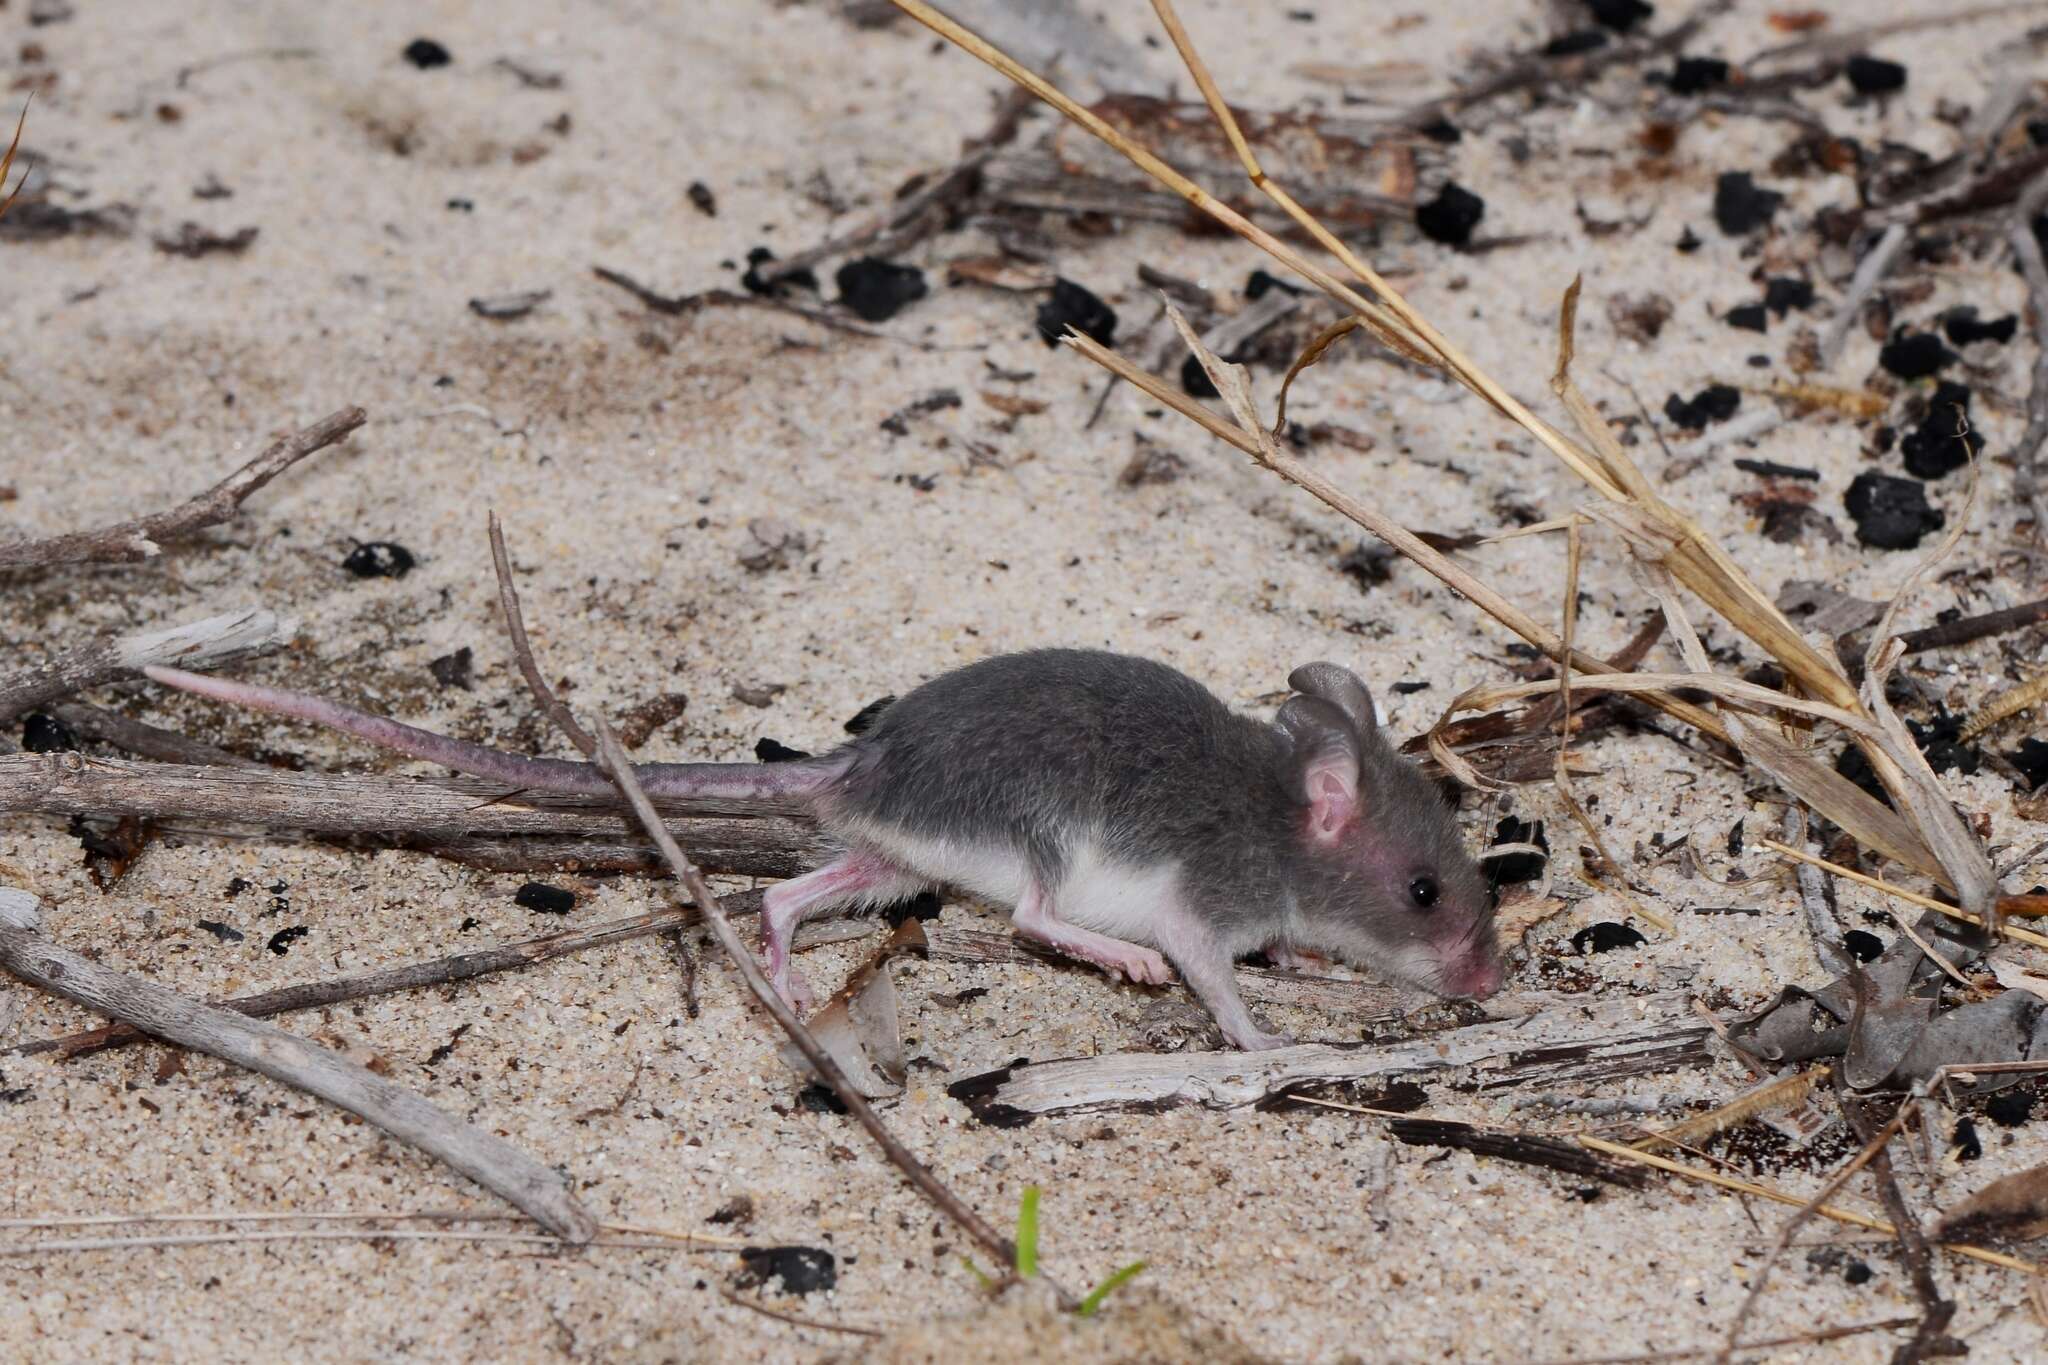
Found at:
[1423, 889]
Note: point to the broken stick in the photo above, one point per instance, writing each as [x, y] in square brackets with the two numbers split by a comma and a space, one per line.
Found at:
[484, 1157]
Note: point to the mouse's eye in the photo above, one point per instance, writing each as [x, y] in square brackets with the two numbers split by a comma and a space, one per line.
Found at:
[1423, 891]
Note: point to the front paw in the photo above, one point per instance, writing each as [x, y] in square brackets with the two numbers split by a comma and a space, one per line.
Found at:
[1258, 1040]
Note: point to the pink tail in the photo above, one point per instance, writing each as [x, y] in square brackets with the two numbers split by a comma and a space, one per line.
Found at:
[746, 783]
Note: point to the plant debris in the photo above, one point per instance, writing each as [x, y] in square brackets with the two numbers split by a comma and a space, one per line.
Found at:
[506, 307]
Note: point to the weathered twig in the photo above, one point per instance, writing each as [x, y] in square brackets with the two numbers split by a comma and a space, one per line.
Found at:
[420, 812]
[552, 707]
[2028, 487]
[1875, 265]
[942, 1198]
[484, 1157]
[140, 737]
[1817, 1335]
[1570, 1043]
[128, 542]
[200, 644]
[1931, 1336]
[407, 976]
[1971, 628]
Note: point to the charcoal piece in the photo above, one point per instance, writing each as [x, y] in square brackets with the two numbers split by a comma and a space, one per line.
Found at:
[1785, 292]
[1715, 403]
[1510, 868]
[1691, 75]
[1574, 43]
[1964, 327]
[1890, 513]
[1741, 206]
[1075, 306]
[768, 750]
[2031, 758]
[878, 290]
[798, 1269]
[1450, 217]
[1750, 317]
[1915, 355]
[1620, 15]
[42, 734]
[1943, 442]
[1863, 945]
[1605, 937]
[1874, 75]
[426, 54]
[543, 899]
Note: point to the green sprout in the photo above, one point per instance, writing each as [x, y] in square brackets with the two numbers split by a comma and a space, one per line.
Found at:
[1027, 1259]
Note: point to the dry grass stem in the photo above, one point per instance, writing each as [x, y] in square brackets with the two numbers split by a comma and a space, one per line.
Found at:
[2012, 932]
[1778, 1094]
[1778, 1196]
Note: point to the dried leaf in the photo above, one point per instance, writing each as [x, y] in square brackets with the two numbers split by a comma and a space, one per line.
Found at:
[2012, 1209]
[1013, 404]
[1518, 914]
[1000, 272]
[859, 1029]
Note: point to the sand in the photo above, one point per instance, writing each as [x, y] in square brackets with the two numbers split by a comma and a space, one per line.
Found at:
[628, 452]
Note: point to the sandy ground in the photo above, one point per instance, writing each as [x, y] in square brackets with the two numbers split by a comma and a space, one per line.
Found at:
[627, 453]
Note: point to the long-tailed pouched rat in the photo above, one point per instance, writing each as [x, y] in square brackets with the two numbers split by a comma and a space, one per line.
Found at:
[1129, 817]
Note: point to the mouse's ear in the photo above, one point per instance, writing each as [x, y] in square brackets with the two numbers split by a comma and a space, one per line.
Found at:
[1324, 764]
[1339, 686]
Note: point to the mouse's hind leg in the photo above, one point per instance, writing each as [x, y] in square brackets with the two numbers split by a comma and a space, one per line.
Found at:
[1036, 917]
[860, 877]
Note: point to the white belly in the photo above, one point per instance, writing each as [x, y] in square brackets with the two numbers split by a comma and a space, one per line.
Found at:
[1121, 899]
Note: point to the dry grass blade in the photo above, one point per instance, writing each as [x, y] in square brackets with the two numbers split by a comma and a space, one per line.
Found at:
[2017, 935]
[1418, 552]
[7, 161]
[1329, 337]
[1778, 1094]
[1778, 1196]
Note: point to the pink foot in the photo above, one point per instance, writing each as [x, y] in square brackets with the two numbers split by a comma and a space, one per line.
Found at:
[1289, 958]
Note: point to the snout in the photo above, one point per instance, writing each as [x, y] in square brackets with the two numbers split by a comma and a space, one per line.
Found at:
[1475, 979]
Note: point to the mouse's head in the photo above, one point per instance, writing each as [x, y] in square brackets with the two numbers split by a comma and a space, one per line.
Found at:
[1386, 881]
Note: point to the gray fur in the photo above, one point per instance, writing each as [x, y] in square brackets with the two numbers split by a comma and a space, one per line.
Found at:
[1055, 766]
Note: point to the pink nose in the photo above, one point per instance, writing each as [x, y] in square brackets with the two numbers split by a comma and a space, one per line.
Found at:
[1479, 980]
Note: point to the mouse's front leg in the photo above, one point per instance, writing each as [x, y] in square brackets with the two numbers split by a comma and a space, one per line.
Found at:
[1207, 967]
